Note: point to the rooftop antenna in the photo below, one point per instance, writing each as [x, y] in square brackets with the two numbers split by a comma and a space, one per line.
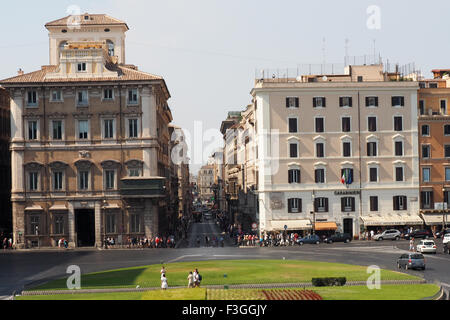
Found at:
[346, 51]
[374, 50]
[323, 51]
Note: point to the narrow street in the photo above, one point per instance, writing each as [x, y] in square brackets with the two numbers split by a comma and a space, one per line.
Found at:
[200, 230]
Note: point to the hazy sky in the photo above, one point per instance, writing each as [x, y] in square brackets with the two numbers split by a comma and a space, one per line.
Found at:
[208, 50]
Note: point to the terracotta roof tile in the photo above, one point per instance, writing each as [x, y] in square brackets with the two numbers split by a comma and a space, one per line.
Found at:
[94, 19]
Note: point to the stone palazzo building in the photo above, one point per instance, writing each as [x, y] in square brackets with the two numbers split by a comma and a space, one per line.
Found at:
[89, 141]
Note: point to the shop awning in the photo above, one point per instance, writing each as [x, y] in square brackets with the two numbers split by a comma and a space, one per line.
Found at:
[432, 219]
[322, 226]
[301, 224]
[392, 220]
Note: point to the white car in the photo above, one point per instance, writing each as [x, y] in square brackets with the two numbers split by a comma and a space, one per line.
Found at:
[426, 246]
[446, 238]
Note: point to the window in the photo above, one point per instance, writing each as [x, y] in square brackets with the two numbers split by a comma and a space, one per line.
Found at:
[292, 102]
[398, 173]
[447, 199]
[57, 129]
[345, 101]
[447, 174]
[371, 149]
[110, 48]
[132, 96]
[132, 128]
[109, 179]
[399, 148]
[56, 95]
[425, 151]
[426, 199]
[398, 123]
[447, 151]
[111, 223]
[108, 129]
[108, 94]
[293, 125]
[83, 180]
[346, 149]
[34, 224]
[443, 104]
[373, 173]
[346, 124]
[319, 175]
[447, 130]
[294, 205]
[371, 101]
[319, 102]
[426, 174]
[398, 101]
[425, 130]
[320, 125]
[32, 98]
[360, 78]
[374, 203]
[57, 181]
[421, 107]
[134, 172]
[372, 124]
[135, 223]
[321, 205]
[293, 150]
[294, 176]
[33, 181]
[347, 204]
[82, 98]
[59, 224]
[83, 129]
[81, 67]
[320, 150]
[433, 85]
[32, 130]
[400, 203]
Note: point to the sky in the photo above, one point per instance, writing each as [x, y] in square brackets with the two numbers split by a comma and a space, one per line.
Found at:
[209, 50]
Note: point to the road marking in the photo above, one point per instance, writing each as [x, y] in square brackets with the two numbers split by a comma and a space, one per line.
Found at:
[185, 256]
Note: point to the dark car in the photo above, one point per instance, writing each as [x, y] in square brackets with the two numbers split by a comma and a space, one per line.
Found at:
[312, 239]
[422, 233]
[339, 237]
[447, 248]
[440, 234]
[411, 261]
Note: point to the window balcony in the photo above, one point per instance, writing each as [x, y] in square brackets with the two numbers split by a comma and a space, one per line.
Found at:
[137, 187]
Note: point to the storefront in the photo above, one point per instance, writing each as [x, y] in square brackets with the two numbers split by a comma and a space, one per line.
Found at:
[325, 229]
[300, 226]
[379, 223]
[435, 221]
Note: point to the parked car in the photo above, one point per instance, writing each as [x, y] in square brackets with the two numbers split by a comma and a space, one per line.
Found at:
[312, 239]
[426, 246]
[339, 237]
[446, 238]
[411, 261]
[392, 234]
[423, 233]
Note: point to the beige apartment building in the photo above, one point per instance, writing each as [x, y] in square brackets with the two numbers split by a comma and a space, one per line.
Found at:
[205, 181]
[337, 152]
[89, 141]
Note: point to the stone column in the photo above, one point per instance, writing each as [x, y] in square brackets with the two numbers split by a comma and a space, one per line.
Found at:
[98, 224]
[71, 221]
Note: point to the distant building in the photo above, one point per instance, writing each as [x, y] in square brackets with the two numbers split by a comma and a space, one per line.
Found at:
[434, 148]
[5, 164]
[205, 181]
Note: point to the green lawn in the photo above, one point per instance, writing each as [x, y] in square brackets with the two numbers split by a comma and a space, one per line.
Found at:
[387, 292]
[237, 272]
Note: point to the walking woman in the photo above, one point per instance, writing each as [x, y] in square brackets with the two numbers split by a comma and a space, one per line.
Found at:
[164, 284]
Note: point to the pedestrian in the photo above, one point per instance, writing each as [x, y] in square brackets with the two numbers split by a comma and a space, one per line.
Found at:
[190, 280]
[195, 277]
[372, 233]
[164, 284]
[411, 244]
[163, 270]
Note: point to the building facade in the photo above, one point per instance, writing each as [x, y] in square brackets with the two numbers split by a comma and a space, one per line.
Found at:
[89, 141]
[434, 149]
[205, 181]
[5, 164]
[337, 152]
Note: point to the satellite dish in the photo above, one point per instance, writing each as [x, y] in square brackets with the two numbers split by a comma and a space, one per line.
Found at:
[324, 78]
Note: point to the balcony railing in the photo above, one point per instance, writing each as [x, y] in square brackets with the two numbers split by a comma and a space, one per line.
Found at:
[143, 187]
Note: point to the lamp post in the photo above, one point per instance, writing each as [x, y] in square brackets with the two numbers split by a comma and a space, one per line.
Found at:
[314, 212]
[444, 212]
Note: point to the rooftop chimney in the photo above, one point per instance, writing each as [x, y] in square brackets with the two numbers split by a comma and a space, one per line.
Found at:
[20, 72]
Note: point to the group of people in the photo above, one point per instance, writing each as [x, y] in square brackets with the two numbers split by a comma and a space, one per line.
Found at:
[63, 243]
[7, 243]
[270, 239]
[144, 242]
[194, 279]
[211, 241]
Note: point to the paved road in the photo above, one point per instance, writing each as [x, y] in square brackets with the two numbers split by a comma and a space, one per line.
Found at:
[199, 231]
[20, 268]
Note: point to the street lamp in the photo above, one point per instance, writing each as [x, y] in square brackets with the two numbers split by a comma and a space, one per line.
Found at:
[314, 212]
[444, 213]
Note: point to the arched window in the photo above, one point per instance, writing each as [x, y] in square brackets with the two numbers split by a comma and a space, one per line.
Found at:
[110, 47]
[61, 46]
